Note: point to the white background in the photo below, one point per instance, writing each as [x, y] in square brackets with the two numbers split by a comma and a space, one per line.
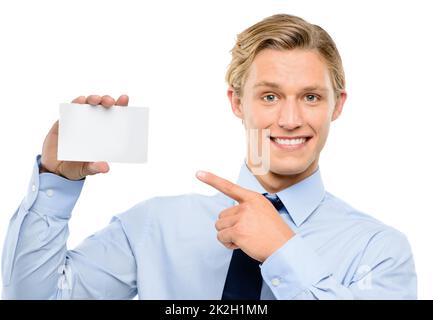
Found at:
[171, 56]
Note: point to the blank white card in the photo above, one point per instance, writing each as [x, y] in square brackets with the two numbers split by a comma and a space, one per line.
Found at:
[96, 133]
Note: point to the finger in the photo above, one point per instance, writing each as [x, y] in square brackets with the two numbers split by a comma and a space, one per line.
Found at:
[91, 168]
[55, 128]
[226, 222]
[107, 101]
[93, 100]
[232, 246]
[80, 99]
[226, 236]
[229, 212]
[123, 100]
[228, 188]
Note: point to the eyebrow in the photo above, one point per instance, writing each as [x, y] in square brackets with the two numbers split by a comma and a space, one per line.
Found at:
[277, 86]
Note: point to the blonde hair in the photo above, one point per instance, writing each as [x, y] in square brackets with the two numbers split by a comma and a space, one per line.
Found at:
[283, 32]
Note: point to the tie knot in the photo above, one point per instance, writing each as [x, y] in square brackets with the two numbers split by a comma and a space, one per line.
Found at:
[276, 202]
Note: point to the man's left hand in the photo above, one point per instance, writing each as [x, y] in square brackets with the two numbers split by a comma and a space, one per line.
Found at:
[254, 225]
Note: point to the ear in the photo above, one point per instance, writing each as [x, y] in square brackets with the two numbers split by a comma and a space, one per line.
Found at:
[339, 105]
[235, 102]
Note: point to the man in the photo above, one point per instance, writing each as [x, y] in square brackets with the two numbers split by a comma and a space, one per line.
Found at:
[273, 235]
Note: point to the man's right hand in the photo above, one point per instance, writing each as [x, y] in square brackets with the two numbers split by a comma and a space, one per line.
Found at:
[75, 170]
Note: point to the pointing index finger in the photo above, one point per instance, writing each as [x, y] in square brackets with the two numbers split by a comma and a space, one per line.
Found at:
[230, 189]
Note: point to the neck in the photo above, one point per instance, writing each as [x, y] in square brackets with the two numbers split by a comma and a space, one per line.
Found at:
[274, 182]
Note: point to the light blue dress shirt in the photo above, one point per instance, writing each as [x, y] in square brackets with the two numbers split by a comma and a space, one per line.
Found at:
[166, 248]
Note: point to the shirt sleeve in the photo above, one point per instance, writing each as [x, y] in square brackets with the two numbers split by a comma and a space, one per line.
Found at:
[385, 271]
[36, 263]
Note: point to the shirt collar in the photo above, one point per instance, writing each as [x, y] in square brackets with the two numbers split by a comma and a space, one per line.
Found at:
[300, 199]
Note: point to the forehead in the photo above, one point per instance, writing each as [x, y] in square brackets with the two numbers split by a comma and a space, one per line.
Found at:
[289, 68]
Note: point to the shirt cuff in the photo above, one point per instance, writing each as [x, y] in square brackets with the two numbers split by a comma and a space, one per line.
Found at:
[51, 194]
[293, 268]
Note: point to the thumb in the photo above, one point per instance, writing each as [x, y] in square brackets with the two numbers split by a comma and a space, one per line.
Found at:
[92, 168]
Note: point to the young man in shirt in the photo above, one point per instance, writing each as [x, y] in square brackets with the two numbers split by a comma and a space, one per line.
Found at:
[274, 235]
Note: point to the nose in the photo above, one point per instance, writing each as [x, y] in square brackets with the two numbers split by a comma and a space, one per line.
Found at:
[290, 116]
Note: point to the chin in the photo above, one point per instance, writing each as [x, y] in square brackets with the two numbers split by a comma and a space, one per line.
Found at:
[289, 168]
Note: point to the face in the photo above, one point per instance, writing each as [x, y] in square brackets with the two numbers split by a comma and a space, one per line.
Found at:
[290, 93]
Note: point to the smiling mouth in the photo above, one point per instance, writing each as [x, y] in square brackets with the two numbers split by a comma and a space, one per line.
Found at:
[291, 143]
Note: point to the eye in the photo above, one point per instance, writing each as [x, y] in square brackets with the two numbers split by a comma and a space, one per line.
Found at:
[312, 98]
[270, 98]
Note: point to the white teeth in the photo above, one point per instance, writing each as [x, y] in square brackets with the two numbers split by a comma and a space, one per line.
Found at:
[290, 141]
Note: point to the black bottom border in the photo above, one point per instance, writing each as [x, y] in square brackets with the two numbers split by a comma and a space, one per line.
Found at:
[209, 309]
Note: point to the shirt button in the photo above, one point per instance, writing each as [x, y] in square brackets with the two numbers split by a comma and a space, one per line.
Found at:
[49, 192]
[275, 282]
[33, 188]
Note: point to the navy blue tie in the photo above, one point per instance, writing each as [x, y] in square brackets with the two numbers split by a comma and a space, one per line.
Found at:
[244, 279]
